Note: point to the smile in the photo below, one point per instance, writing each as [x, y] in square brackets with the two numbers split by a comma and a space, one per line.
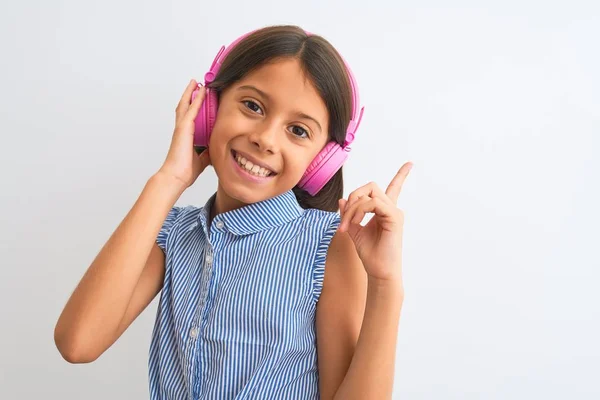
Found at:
[251, 169]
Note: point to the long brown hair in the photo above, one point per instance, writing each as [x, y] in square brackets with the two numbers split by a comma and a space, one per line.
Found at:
[322, 65]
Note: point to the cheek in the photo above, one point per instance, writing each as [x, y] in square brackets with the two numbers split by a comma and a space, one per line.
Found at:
[228, 125]
[302, 163]
[297, 164]
[225, 126]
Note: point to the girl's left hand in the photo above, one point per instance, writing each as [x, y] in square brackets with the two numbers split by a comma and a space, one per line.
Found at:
[379, 242]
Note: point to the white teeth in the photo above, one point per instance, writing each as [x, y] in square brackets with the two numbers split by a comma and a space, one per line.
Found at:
[251, 168]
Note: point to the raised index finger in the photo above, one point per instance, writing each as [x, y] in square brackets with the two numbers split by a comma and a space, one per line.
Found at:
[393, 190]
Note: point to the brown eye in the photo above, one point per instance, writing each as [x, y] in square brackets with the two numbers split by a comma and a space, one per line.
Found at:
[252, 106]
[300, 132]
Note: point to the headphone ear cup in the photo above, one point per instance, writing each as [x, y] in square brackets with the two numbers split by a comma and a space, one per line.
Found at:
[320, 158]
[212, 107]
[205, 120]
[323, 167]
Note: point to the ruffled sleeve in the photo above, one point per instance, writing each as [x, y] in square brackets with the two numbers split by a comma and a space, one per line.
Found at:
[163, 234]
[321, 257]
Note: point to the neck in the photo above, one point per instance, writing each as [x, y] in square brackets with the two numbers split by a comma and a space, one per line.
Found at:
[223, 203]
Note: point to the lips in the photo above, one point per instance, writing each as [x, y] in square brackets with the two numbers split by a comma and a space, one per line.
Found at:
[254, 161]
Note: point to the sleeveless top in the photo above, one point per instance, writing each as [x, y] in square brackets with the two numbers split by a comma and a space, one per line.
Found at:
[236, 315]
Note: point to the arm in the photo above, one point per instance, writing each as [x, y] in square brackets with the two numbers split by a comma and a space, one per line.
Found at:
[357, 327]
[129, 270]
[122, 280]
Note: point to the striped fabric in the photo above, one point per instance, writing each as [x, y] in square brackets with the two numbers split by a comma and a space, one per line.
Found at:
[236, 317]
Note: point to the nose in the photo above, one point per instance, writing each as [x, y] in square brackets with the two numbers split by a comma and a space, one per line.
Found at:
[266, 138]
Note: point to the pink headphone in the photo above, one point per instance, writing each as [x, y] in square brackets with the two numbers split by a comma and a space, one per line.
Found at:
[324, 165]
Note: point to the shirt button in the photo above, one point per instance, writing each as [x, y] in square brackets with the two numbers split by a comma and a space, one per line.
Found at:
[208, 258]
[194, 332]
[220, 224]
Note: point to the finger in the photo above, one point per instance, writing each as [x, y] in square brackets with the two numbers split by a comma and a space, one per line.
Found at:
[350, 211]
[393, 190]
[351, 201]
[371, 189]
[342, 205]
[377, 206]
[184, 102]
[359, 212]
[192, 111]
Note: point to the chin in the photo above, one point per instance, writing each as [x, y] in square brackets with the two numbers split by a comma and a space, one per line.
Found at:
[245, 194]
[248, 193]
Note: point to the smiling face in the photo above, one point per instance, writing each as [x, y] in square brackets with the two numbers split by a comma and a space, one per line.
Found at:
[270, 125]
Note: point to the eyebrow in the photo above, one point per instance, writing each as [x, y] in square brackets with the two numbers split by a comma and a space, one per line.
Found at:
[266, 96]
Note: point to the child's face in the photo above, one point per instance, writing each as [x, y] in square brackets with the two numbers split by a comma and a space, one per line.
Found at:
[268, 129]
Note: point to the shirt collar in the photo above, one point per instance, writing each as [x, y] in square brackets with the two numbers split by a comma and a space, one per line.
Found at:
[254, 217]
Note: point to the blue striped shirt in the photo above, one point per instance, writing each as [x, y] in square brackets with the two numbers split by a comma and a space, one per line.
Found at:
[236, 316]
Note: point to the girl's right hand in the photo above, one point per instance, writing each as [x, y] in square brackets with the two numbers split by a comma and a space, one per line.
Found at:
[182, 161]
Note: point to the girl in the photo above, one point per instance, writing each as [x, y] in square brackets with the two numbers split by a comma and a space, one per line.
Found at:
[266, 292]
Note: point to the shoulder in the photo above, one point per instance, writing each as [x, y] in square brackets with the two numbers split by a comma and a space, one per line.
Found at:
[320, 225]
[178, 218]
[338, 265]
[337, 247]
[183, 214]
[314, 215]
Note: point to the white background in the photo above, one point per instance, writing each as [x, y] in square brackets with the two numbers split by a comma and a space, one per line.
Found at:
[496, 103]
